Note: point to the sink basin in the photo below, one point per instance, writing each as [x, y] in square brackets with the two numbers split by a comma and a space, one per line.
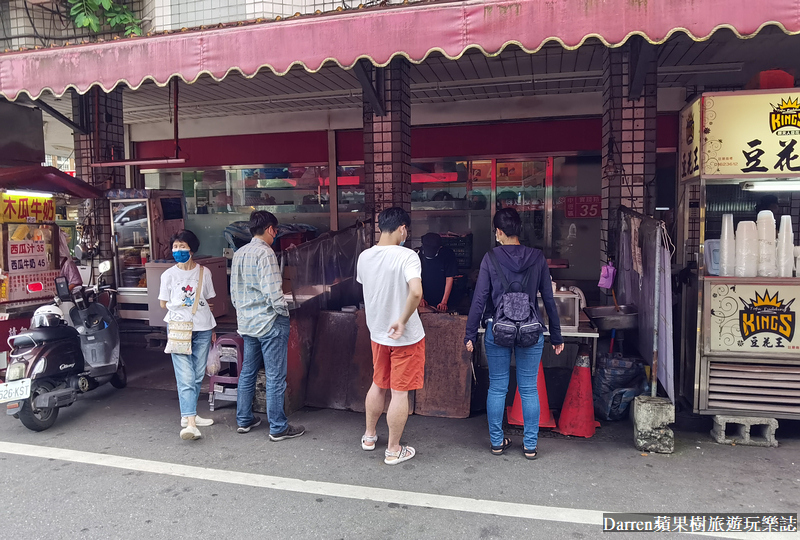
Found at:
[607, 318]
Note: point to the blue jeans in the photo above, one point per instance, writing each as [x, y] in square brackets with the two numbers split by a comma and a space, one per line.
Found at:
[190, 370]
[499, 360]
[269, 350]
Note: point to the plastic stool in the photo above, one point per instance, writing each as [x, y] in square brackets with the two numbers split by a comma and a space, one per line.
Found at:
[227, 375]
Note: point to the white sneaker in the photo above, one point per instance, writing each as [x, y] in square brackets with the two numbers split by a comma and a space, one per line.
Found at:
[199, 420]
[190, 433]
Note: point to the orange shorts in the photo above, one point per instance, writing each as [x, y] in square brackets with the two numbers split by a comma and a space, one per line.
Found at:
[399, 368]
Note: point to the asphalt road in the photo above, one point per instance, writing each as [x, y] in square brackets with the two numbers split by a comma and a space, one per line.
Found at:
[113, 466]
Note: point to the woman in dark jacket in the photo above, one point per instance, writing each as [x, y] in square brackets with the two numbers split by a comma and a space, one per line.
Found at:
[516, 261]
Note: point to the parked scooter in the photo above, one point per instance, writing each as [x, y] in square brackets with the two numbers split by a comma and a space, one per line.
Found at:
[53, 362]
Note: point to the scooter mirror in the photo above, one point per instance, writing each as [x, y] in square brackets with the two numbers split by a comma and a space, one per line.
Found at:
[62, 288]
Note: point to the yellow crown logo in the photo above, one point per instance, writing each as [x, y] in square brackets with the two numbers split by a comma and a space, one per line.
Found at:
[767, 300]
[788, 105]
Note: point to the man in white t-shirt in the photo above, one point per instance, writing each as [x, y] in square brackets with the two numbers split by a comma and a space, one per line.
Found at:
[392, 279]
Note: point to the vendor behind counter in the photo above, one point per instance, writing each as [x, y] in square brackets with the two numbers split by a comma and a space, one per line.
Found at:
[439, 268]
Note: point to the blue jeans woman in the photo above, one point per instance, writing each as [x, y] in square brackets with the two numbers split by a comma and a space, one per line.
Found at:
[523, 270]
[528, 360]
[184, 292]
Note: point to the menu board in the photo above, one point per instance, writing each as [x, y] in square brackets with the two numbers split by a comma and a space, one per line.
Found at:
[26, 256]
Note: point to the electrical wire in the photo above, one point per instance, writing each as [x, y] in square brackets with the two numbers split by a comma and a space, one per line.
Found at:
[33, 26]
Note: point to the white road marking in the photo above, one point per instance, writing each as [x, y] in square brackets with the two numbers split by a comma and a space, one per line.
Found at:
[331, 489]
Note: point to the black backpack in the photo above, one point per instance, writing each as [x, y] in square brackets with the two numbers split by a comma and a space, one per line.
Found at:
[515, 319]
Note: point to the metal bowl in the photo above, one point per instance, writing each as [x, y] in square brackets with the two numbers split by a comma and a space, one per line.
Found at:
[607, 318]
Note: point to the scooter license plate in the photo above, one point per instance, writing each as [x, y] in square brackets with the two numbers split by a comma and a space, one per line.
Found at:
[15, 390]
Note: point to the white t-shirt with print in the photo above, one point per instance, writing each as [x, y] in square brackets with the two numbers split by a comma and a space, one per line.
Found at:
[179, 290]
[385, 271]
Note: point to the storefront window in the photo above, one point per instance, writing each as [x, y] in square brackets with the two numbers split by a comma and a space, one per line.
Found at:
[219, 198]
[577, 217]
[453, 199]
[350, 180]
[522, 185]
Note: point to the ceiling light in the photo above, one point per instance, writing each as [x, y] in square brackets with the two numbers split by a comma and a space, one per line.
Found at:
[771, 185]
[21, 193]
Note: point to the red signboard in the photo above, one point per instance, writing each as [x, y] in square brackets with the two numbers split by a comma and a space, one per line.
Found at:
[583, 206]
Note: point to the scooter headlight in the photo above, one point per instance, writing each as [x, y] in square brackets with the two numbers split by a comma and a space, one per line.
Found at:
[39, 367]
[15, 371]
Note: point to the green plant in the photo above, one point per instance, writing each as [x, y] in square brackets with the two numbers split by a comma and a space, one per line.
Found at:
[90, 13]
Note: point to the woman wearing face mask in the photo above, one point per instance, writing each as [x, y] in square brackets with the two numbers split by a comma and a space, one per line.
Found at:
[178, 294]
[528, 268]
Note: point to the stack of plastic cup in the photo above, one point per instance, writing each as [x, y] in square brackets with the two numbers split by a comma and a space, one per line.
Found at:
[785, 256]
[746, 249]
[727, 247]
[767, 252]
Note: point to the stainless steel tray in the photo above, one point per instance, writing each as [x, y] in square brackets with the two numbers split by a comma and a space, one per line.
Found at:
[607, 318]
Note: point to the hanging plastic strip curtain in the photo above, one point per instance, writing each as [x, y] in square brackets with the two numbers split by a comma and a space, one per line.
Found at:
[644, 279]
[326, 267]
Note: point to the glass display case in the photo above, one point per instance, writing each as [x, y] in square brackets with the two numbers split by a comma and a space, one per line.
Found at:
[132, 229]
[143, 222]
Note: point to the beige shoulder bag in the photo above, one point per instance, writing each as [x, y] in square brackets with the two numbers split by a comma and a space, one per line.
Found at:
[179, 333]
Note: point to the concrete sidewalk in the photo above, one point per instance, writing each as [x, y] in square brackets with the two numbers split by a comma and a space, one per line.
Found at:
[604, 473]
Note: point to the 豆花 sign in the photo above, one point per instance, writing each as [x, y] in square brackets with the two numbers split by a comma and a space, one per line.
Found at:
[758, 319]
[750, 134]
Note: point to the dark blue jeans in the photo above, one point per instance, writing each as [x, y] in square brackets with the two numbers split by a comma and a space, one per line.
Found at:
[270, 351]
[499, 360]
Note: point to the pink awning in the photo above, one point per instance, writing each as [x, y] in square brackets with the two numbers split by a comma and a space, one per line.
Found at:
[47, 179]
[379, 34]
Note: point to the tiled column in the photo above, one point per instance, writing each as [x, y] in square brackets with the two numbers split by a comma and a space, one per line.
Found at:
[387, 141]
[629, 143]
[17, 24]
[101, 114]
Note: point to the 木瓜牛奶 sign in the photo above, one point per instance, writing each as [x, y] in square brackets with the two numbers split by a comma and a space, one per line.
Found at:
[757, 319]
[750, 134]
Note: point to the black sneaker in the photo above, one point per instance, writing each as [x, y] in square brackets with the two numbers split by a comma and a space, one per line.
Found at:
[289, 433]
[246, 429]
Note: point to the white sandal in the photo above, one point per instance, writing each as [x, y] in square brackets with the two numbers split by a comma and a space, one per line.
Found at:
[405, 453]
[365, 439]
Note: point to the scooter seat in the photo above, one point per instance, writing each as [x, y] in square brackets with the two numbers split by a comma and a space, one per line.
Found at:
[51, 333]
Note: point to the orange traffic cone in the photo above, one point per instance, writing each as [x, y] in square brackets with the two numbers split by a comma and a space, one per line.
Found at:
[514, 412]
[577, 414]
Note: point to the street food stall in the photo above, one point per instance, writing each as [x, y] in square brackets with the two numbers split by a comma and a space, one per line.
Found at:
[29, 257]
[740, 188]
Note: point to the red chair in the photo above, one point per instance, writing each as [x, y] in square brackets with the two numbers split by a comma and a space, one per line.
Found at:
[222, 386]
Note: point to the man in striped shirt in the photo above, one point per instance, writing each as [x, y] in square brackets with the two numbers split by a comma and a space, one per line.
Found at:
[263, 318]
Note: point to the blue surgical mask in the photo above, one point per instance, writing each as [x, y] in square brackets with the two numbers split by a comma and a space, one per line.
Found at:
[181, 255]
